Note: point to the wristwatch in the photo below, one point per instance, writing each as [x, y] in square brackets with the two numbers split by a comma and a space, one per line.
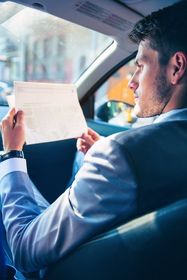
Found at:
[12, 154]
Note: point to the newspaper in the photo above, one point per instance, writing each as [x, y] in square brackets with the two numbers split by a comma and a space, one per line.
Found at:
[52, 111]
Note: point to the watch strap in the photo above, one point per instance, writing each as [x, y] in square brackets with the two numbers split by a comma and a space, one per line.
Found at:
[12, 154]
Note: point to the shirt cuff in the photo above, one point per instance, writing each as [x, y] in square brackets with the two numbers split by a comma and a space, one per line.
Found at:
[12, 165]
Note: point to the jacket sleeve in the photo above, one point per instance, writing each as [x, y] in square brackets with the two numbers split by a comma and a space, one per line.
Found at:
[103, 192]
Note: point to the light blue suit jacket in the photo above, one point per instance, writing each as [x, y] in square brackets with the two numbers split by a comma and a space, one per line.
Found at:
[105, 192]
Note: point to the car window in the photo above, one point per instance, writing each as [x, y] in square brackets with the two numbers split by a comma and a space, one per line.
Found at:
[114, 100]
[36, 46]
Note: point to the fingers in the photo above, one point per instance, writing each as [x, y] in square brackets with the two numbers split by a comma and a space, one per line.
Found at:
[13, 130]
[81, 145]
[93, 134]
[12, 118]
[20, 118]
[83, 149]
[88, 139]
[8, 120]
[11, 113]
[85, 142]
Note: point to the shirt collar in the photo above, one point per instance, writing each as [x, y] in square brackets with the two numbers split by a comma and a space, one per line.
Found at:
[177, 114]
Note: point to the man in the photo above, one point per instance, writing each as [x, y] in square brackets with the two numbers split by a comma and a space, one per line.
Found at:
[124, 175]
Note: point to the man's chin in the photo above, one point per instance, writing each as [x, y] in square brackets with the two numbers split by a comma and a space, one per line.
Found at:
[141, 113]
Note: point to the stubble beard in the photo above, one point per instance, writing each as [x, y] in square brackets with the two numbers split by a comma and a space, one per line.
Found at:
[157, 102]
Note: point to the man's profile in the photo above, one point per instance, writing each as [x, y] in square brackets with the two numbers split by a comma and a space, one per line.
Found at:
[124, 175]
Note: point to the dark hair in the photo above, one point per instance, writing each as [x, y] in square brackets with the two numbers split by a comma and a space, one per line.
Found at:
[166, 30]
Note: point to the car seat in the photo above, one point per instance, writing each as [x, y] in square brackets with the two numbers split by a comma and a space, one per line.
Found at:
[151, 247]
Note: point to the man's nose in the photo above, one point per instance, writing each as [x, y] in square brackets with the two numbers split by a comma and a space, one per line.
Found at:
[132, 84]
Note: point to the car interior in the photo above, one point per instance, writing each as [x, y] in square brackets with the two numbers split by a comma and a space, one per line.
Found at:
[86, 43]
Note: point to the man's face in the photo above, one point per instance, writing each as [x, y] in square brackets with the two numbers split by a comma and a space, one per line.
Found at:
[151, 87]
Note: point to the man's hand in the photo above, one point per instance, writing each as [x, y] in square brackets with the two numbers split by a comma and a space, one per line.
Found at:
[13, 130]
[85, 142]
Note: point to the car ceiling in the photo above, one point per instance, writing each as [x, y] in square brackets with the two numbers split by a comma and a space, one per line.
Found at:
[110, 17]
[145, 7]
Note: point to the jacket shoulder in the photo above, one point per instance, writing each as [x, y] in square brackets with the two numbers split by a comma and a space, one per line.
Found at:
[142, 135]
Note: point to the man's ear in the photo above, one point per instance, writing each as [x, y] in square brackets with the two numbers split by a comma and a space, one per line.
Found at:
[178, 67]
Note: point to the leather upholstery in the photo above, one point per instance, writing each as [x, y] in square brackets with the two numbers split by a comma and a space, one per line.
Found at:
[151, 247]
